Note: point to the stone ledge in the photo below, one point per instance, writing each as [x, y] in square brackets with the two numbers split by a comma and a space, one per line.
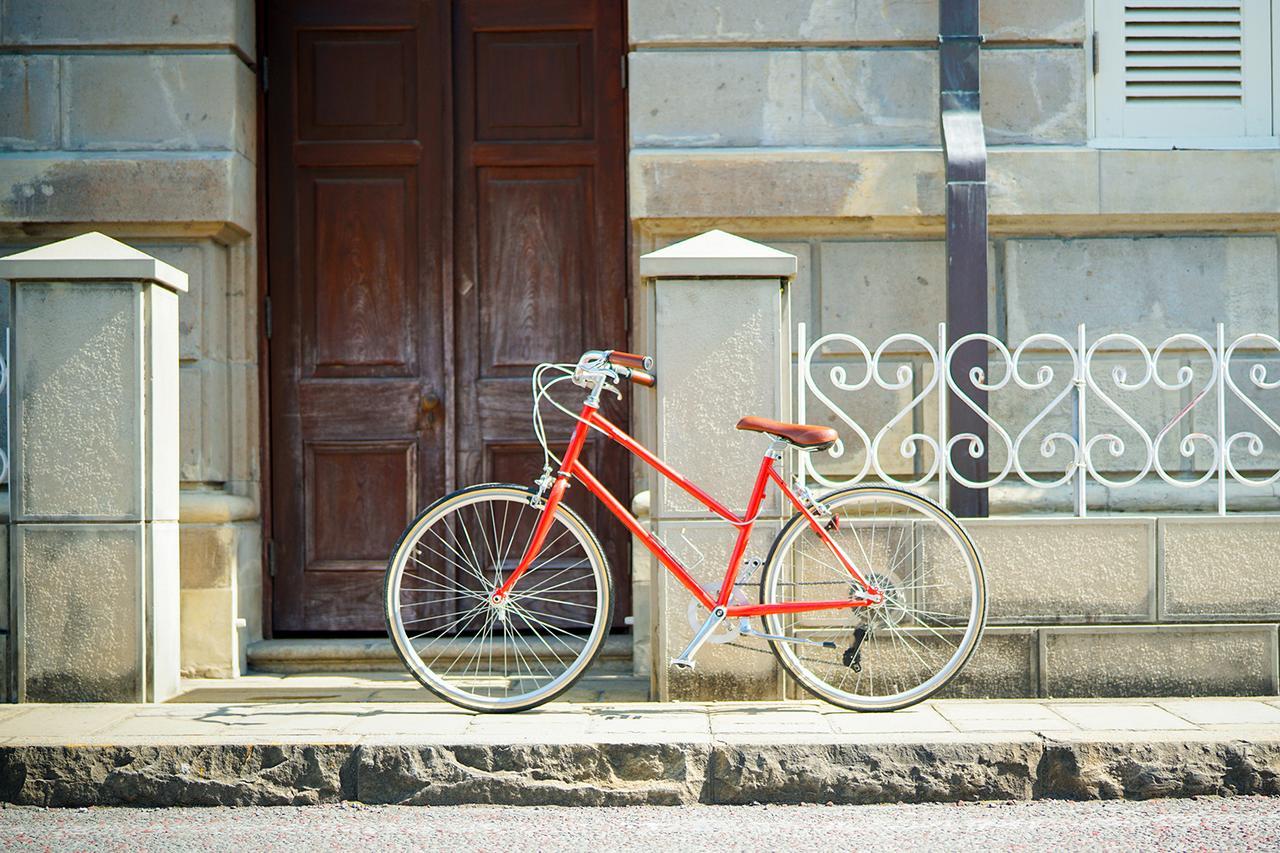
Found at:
[667, 23]
[149, 23]
[352, 655]
[205, 192]
[646, 772]
[203, 507]
[1082, 183]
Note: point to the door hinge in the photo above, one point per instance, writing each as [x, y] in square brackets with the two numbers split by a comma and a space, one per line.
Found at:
[624, 71]
[266, 316]
[262, 73]
[1093, 45]
[271, 557]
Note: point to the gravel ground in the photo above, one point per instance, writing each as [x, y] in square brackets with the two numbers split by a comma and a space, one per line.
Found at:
[1238, 823]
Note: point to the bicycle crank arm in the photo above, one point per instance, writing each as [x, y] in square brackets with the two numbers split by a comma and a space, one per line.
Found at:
[685, 661]
[744, 628]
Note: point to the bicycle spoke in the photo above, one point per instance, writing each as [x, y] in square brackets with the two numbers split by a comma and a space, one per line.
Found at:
[889, 653]
[496, 655]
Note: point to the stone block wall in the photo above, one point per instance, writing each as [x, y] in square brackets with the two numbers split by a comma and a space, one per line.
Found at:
[812, 126]
[137, 118]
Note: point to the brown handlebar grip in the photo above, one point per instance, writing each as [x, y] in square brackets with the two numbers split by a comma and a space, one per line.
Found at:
[639, 377]
[631, 360]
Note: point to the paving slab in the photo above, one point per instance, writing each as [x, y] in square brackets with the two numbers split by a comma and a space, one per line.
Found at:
[1121, 716]
[1223, 712]
[248, 752]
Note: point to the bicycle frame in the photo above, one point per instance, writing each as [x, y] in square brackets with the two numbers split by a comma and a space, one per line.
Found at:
[572, 467]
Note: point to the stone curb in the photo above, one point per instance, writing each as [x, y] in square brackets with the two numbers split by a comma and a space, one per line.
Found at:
[638, 773]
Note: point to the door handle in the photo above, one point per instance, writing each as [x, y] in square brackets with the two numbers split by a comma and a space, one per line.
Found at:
[428, 406]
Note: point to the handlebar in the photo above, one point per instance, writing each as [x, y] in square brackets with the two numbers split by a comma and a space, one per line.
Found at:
[639, 377]
[629, 359]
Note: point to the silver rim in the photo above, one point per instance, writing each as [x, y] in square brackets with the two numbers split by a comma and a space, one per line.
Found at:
[895, 653]
[487, 656]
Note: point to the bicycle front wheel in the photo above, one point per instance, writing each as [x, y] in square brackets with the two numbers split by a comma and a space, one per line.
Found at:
[488, 656]
[894, 653]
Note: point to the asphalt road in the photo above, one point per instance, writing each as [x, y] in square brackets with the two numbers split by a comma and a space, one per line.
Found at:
[1240, 823]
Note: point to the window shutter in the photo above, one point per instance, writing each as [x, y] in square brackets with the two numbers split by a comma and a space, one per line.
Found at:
[1183, 69]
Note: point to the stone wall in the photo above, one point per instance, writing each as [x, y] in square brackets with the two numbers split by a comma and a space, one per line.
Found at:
[812, 126]
[138, 118]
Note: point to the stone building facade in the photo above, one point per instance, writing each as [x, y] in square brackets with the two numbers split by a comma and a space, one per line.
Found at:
[806, 124]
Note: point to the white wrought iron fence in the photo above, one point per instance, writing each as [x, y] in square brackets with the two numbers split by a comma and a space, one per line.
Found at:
[1115, 411]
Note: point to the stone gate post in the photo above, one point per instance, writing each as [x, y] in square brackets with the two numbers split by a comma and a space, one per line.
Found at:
[722, 350]
[93, 530]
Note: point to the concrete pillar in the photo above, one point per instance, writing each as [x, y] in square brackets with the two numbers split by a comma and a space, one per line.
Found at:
[93, 535]
[722, 350]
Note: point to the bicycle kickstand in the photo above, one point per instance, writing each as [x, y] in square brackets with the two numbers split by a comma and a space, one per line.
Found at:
[685, 660]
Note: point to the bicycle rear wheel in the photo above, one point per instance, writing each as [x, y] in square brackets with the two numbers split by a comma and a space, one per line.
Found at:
[902, 650]
[487, 656]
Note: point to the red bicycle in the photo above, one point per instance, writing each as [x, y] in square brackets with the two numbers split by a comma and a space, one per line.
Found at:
[498, 596]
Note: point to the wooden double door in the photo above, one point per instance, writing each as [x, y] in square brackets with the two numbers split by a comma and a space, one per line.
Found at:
[446, 209]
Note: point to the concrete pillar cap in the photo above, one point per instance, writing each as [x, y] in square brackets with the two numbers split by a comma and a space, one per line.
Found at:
[718, 254]
[90, 257]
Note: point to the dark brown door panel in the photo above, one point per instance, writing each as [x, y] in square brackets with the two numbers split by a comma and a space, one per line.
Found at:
[446, 209]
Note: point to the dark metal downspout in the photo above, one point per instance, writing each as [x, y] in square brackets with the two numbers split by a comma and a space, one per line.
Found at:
[965, 151]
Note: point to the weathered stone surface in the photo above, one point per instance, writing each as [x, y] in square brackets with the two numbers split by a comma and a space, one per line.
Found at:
[847, 97]
[673, 22]
[1060, 569]
[78, 412]
[921, 768]
[186, 23]
[1146, 287]
[604, 774]
[782, 183]
[177, 775]
[158, 102]
[1191, 182]
[82, 611]
[208, 556]
[785, 183]
[28, 103]
[874, 773]
[202, 326]
[1220, 567]
[1141, 771]
[217, 189]
[723, 98]
[874, 289]
[1034, 97]
[209, 648]
[1054, 181]
[869, 97]
[1158, 660]
[696, 337]
[1003, 666]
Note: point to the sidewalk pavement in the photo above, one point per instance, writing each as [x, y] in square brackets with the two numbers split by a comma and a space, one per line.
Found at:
[300, 743]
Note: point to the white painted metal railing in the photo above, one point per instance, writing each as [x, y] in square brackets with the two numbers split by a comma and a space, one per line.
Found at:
[1197, 370]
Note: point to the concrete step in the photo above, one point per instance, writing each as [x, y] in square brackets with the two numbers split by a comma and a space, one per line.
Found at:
[302, 753]
[377, 655]
[371, 686]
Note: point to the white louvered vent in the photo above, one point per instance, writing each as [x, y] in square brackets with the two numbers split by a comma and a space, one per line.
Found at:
[1183, 51]
[1171, 73]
